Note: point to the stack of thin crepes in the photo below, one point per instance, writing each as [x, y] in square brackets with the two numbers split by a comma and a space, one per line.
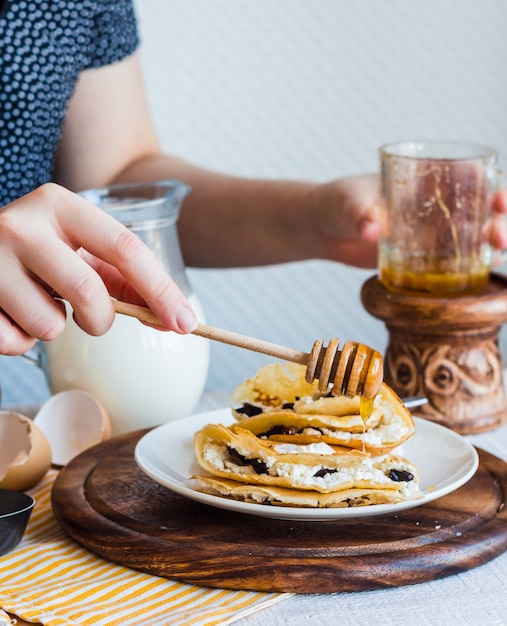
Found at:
[291, 445]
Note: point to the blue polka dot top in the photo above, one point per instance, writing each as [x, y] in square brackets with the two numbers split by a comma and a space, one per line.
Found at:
[44, 45]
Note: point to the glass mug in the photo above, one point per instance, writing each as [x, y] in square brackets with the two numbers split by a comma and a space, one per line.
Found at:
[435, 206]
[143, 377]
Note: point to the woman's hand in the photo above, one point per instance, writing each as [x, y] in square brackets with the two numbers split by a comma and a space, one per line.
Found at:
[498, 231]
[54, 242]
[348, 216]
[348, 219]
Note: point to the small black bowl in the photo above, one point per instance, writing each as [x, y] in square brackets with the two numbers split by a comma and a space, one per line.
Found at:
[15, 510]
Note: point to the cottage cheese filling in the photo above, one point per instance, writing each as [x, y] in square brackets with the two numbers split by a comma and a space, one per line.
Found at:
[372, 470]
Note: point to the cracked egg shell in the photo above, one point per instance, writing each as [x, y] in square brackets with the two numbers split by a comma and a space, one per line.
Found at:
[25, 452]
[73, 421]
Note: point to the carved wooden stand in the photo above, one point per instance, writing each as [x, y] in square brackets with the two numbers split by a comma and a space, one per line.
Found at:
[446, 349]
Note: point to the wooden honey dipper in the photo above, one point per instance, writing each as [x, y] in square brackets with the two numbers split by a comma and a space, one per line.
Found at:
[356, 369]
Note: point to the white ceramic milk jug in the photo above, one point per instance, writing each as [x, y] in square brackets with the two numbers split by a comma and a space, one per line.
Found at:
[143, 377]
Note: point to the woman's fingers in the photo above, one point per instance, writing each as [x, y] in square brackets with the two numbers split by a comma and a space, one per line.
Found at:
[347, 216]
[104, 237]
[499, 202]
[13, 340]
[121, 290]
[40, 236]
[497, 234]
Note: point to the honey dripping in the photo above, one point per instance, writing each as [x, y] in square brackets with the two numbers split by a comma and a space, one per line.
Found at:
[365, 411]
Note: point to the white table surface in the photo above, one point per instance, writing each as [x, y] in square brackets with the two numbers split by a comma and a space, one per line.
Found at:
[477, 597]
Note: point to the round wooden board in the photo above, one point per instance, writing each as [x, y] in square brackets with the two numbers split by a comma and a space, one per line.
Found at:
[104, 502]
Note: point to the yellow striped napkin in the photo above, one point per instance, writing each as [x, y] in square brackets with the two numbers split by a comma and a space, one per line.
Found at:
[51, 579]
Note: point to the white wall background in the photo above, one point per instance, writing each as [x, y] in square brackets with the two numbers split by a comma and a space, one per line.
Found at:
[309, 90]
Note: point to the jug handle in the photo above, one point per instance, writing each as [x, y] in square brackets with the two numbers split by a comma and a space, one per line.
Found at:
[37, 356]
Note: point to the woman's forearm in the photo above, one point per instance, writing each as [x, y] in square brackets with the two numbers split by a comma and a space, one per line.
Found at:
[228, 221]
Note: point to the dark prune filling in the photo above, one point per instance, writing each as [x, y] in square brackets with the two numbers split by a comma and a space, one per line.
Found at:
[278, 430]
[257, 465]
[249, 410]
[324, 472]
[284, 430]
[400, 476]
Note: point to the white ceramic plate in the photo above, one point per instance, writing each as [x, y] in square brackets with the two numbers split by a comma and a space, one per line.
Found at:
[445, 460]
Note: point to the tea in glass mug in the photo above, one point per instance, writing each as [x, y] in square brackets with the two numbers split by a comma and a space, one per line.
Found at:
[435, 207]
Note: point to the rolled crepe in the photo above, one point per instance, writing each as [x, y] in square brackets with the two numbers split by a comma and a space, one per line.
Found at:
[241, 456]
[272, 387]
[276, 412]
